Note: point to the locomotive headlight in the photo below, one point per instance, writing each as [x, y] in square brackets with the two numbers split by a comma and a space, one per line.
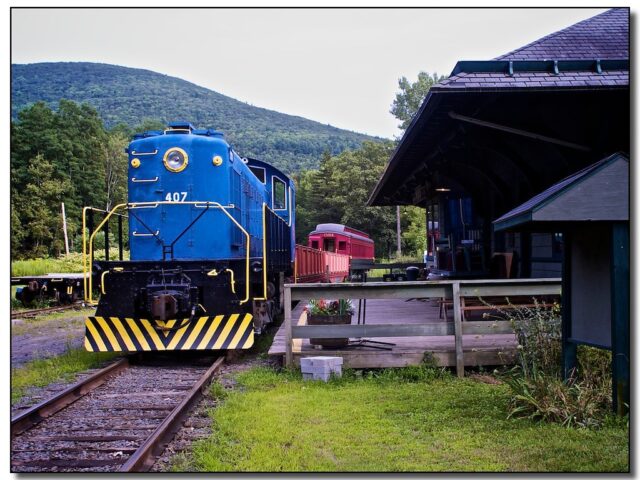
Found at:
[217, 160]
[175, 159]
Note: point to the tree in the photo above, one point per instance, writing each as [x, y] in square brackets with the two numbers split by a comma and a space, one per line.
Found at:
[49, 150]
[414, 233]
[38, 208]
[115, 169]
[408, 100]
[338, 191]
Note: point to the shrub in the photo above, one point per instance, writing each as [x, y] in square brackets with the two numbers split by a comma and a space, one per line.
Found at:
[547, 397]
[538, 389]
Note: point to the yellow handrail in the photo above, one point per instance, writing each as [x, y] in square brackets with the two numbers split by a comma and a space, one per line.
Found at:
[264, 247]
[264, 253]
[89, 296]
[84, 248]
[91, 238]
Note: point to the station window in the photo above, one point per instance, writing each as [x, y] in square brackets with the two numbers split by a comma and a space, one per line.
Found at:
[279, 194]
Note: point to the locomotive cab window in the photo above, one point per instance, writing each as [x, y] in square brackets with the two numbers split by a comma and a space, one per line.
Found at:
[259, 172]
[342, 246]
[279, 194]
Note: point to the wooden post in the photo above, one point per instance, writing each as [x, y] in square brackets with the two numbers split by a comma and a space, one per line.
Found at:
[457, 328]
[64, 229]
[287, 327]
[569, 348]
[620, 332]
[398, 235]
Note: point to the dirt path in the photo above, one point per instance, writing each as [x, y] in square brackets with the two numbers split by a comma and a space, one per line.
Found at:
[46, 337]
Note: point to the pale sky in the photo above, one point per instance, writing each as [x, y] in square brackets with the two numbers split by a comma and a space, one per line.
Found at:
[336, 66]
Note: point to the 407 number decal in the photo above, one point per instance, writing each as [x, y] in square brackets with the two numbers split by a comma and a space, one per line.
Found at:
[176, 196]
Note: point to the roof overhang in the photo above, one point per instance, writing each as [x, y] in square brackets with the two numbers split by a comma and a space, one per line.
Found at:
[538, 115]
[598, 193]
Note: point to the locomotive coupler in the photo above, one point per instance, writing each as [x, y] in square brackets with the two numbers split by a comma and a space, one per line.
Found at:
[169, 295]
[164, 306]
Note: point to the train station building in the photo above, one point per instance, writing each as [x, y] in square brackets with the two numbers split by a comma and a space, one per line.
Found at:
[522, 164]
[498, 132]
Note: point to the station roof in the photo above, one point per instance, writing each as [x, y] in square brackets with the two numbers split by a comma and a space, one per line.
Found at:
[599, 192]
[545, 97]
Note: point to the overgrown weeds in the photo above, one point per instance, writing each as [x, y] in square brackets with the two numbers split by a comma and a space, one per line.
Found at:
[539, 391]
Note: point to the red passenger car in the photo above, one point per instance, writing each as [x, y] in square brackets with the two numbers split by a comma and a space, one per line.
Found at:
[333, 237]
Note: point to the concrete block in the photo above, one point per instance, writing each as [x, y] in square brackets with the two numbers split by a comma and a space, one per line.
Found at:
[308, 362]
[324, 369]
[316, 376]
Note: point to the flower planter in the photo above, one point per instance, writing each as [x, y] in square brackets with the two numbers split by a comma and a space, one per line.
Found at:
[329, 320]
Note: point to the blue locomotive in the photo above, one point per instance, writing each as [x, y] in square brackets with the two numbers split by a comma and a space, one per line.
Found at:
[211, 238]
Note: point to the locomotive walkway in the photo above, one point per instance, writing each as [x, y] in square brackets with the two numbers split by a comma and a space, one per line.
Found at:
[389, 318]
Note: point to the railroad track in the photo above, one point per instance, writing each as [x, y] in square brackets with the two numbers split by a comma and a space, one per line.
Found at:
[118, 419]
[40, 311]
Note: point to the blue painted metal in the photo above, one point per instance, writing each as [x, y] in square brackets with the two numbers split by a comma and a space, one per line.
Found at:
[272, 175]
[196, 235]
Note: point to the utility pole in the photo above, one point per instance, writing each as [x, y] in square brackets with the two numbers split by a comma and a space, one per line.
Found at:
[399, 252]
[64, 229]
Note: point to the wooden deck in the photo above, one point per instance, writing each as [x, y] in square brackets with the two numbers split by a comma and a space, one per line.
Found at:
[493, 349]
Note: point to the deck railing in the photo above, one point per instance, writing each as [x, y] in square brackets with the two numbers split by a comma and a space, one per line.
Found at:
[453, 290]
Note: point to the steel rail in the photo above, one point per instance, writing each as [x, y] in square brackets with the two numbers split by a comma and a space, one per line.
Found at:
[143, 458]
[37, 311]
[25, 420]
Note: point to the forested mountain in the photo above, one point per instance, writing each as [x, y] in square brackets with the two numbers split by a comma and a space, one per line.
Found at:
[133, 96]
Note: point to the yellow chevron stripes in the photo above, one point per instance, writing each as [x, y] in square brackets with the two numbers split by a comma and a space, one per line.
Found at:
[209, 335]
[221, 332]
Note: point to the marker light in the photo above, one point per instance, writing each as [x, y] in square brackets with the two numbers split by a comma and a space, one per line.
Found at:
[217, 160]
[135, 163]
[175, 159]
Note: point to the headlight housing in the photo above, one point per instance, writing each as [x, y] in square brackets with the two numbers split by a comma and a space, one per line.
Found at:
[175, 159]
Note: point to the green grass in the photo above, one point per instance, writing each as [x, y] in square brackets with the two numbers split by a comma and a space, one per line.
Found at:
[71, 263]
[42, 372]
[408, 421]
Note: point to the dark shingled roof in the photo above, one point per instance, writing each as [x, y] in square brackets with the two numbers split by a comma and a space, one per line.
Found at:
[590, 58]
[555, 190]
[492, 80]
[603, 37]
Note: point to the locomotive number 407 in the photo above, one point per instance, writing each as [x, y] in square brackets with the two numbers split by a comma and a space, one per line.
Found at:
[176, 196]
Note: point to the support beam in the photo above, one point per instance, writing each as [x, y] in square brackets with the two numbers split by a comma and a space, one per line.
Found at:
[457, 322]
[517, 131]
[287, 327]
[620, 299]
[569, 349]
